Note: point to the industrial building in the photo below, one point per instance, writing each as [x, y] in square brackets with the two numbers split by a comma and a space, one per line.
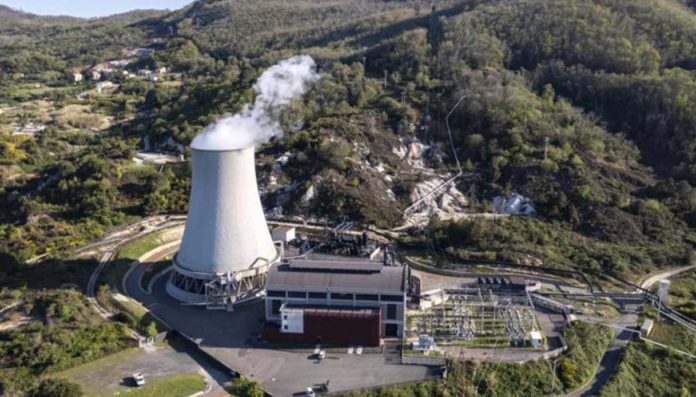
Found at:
[226, 249]
[335, 301]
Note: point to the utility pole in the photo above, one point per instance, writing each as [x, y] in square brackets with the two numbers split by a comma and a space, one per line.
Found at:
[433, 22]
[385, 79]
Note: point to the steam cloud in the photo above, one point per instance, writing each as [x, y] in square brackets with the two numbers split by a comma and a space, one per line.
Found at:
[255, 124]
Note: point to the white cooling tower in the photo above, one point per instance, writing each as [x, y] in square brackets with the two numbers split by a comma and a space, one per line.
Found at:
[226, 248]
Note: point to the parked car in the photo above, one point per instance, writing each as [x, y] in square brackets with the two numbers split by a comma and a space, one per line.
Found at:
[309, 392]
[139, 379]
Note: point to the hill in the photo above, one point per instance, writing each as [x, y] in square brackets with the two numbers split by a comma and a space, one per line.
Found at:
[584, 107]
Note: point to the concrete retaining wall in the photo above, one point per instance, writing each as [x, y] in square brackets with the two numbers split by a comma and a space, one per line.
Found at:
[423, 360]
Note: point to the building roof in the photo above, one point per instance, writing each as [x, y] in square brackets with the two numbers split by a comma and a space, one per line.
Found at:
[335, 265]
[283, 228]
[387, 280]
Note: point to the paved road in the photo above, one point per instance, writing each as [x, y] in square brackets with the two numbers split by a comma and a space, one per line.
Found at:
[647, 283]
[109, 245]
[612, 356]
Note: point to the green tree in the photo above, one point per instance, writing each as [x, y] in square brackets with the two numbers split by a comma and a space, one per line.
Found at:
[56, 388]
[151, 329]
[244, 387]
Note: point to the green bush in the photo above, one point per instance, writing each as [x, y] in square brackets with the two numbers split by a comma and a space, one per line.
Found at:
[244, 387]
[56, 388]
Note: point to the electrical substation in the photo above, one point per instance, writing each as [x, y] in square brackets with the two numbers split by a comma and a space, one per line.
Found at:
[477, 317]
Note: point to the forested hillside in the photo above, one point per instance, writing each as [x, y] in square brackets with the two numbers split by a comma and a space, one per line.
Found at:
[608, 85]
[586, 108]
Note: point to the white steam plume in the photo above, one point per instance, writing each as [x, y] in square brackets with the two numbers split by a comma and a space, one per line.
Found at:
[276, 87]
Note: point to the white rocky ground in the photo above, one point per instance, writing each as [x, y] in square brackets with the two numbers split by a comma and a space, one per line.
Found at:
[447, 203]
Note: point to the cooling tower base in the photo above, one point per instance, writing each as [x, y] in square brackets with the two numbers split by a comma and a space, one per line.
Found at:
[216, 290]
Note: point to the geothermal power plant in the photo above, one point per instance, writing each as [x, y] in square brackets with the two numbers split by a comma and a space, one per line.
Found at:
[226, 249]
[329, 285]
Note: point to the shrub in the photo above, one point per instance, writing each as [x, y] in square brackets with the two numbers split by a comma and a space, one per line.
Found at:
[244, 387]
[56, 388]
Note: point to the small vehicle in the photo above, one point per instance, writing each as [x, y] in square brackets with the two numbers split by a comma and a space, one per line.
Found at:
[139, 379]
[309, 392]
[321, 355]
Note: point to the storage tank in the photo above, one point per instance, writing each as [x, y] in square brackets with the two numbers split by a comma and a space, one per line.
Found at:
[226, 247]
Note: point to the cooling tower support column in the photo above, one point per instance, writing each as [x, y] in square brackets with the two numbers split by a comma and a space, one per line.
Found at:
[226, 249]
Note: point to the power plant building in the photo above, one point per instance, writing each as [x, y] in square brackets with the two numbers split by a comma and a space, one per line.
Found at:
[343, 301]
[226, 249]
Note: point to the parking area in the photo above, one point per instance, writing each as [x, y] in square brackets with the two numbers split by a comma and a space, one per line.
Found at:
[161, 365]
[232, 338]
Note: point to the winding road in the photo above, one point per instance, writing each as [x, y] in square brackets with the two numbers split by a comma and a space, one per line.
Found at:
[650, 281]
[625, 328]
[109, 244]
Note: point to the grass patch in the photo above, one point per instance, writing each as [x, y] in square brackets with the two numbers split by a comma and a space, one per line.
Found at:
[682, 293]
[180, 385]
[648, 370]
[92, 366]
[113, 273]
[132, 307]
[673, 335]
[137, 248]
[133, 314]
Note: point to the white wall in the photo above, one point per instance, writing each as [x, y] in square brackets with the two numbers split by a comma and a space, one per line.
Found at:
[292, 321]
